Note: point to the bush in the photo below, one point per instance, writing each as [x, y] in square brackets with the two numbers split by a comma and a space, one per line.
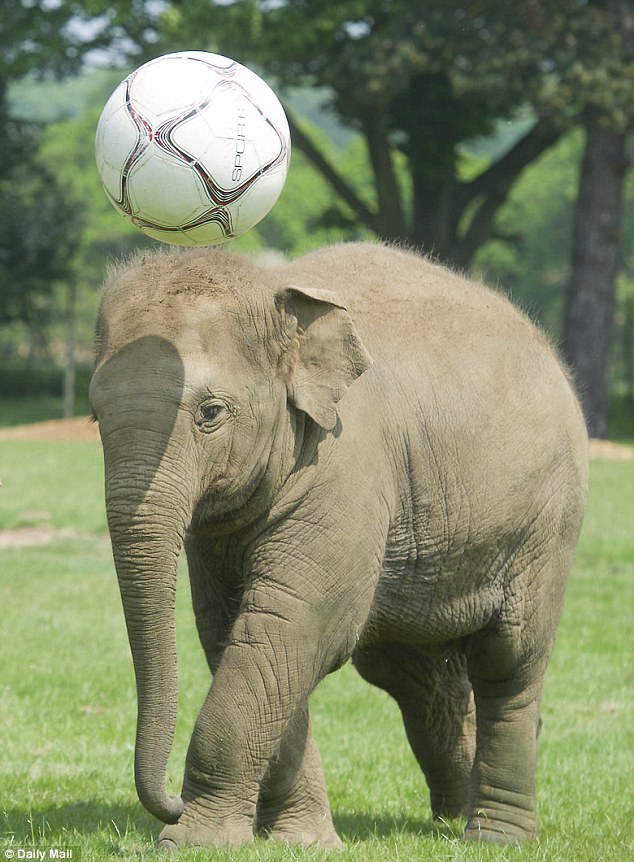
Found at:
[20, 379]
[34, 391]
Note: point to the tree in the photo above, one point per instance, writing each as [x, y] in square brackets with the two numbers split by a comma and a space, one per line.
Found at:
[413, 80]
[535, 268]
[422, 79]
[594, 73]
[591, 300]
[37, 220]
[417, 80]
[608, 119]
[39, 227]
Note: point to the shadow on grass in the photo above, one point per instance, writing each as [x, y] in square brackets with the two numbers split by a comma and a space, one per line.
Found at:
[60, 822]
[361, 826]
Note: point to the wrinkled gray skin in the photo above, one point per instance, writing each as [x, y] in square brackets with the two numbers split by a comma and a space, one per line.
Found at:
[365, 456]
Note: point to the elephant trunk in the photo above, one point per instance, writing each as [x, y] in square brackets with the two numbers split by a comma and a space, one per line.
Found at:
[146, 541]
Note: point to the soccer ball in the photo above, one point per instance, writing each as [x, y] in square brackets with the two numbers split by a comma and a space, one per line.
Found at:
[193, 148]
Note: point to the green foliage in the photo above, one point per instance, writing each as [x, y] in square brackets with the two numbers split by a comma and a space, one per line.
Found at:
[534, 268]
[39, 227]
[19, 379]
[67, 703]
[38, 35]
[621, 417]
[33, 391]
[421, 80]
[38, 219]
[53, 37]
[415, 82]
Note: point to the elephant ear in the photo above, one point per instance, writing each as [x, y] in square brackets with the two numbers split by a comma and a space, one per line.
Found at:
[324, 355]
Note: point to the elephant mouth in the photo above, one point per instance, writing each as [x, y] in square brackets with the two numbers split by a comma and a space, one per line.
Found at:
[225, 511]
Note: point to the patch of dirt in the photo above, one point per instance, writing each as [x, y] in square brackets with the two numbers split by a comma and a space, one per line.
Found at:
[79, 428]
[604, 450]
[30, 537]
[82, 428]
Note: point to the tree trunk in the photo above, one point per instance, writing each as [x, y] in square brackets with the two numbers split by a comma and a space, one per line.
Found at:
[589, 314]
[437, 208]
[70, 365]
[628, 347]
[390, 219]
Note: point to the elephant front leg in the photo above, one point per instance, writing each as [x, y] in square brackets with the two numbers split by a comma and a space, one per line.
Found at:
[264, 677]
[293, 804]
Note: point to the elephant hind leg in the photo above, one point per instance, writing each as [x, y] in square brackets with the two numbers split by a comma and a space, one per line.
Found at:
[502, 794]
[507, 662]
[293, 803]
[436, 702]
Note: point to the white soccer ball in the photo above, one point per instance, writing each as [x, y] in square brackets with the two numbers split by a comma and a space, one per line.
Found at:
[193, 148]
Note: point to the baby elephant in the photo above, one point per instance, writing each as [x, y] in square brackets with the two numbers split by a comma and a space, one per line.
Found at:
[364, 456]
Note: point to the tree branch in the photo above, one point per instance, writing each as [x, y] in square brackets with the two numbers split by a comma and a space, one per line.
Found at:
[493, 186]
[502, 174]
[498, 179]
[331, 175]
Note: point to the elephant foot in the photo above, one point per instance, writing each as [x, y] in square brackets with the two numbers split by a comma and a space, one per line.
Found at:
[446, 806]
[325, 838]
[306, 823]
[483, 830]
[448, 812]
[306, 829]
[172, 838]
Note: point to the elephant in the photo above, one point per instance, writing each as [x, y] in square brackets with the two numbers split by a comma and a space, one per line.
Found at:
[365, 456]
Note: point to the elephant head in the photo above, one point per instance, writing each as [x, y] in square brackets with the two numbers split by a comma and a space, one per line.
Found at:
[206, 369]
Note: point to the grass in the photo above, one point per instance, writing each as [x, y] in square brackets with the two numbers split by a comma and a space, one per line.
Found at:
[59, 484]
[67, 704]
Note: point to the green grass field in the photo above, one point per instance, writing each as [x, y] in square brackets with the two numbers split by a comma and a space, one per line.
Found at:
[67, 701]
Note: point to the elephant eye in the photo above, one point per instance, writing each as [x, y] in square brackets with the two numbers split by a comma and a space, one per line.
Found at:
[210, 414]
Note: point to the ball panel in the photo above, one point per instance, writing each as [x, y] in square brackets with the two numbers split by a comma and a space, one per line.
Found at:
[253, 142]
[116, 101]
[170, 85]
[258, 200]
[217, 229]
[263, 96]
[118, 140]
[164, 191]
[269, 145]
